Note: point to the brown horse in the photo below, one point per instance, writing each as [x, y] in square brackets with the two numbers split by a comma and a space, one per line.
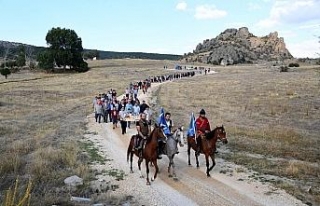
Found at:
[149, 152]
[208, 146]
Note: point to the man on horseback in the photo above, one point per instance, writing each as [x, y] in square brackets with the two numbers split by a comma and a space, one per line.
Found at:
[170, 125]
[143, 132]
[202, 127]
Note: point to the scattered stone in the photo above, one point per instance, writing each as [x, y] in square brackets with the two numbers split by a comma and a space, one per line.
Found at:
[80, 199]
[73, 181]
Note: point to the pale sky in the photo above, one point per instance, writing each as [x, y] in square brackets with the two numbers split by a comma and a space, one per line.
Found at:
[161, 26]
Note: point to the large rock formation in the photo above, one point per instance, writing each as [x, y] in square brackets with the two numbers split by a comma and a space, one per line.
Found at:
[239, 46]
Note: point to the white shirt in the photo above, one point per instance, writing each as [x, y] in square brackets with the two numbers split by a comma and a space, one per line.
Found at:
[148, 113]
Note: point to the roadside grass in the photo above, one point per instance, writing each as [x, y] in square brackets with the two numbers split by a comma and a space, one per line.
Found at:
[93, 152]
[271, 118]
[42, 119]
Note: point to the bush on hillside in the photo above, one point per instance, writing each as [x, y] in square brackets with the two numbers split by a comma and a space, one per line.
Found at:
[5, 72]
[294, 65]
[284, 69]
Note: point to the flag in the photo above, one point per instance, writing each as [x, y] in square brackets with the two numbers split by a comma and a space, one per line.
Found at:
[192, 126]
[162, 122]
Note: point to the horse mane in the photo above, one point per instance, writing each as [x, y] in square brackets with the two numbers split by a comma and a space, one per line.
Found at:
[210, 134]
[149, 138]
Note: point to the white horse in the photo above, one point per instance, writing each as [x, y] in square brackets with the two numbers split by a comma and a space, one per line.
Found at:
[172, 148]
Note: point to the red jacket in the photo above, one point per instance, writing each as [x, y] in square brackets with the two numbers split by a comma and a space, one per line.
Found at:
[202, 124]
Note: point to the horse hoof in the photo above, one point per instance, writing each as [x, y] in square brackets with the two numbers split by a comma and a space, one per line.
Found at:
[175, 178]
[141, 176]
[131, 171]
[170, 176]
[208, 175]
[152, 179]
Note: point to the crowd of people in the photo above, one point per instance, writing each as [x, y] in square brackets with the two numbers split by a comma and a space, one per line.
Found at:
[109, 108]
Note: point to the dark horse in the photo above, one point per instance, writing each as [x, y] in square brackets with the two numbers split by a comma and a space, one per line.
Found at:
[208, 146]
[149, 152]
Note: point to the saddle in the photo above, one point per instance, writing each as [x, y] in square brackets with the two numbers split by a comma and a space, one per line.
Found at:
[137, 141]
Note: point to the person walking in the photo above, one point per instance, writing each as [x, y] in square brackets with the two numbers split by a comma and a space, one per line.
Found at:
[98, 110]
[123, 122]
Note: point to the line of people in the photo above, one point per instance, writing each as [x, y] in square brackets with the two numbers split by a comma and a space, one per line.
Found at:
[107, 107]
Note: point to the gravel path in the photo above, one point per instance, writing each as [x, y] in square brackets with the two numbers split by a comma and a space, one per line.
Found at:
[192, 186]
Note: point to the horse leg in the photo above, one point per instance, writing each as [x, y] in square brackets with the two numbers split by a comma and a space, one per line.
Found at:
[131, 160]
[147, 171]
[197, 160]
[207, 165]
[173, 168]
[157, 170]
[170, 165]
[213, 162]
[139, 165]
[189, 163]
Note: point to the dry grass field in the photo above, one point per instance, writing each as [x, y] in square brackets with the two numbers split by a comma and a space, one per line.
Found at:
[272, 120]
[42, 118]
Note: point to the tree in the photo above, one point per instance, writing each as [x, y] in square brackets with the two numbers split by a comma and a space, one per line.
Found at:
[66, 47]
[45, 60]
[21, 59]
[5, 72]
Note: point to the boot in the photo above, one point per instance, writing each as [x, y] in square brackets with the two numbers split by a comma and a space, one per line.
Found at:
[139, 145]
[159, 153]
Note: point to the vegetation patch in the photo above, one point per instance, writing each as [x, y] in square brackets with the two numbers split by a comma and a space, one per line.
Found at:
[93, 152]
[116, 173]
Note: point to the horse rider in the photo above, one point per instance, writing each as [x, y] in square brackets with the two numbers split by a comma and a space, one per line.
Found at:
[170, 125]
[202, 127]
[143, 132]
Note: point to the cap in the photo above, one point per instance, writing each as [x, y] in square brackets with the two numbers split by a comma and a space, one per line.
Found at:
[202, 111]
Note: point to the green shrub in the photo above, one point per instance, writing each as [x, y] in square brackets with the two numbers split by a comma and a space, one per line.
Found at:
[294, 65]
[83, 67]
[284, 69]
[5, 72]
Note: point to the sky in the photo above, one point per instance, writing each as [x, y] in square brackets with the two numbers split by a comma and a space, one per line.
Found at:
[161, 26]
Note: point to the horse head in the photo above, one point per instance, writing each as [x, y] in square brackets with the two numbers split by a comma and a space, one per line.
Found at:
[221, 134]
[158, 132]
[218, 133]
[179, 135]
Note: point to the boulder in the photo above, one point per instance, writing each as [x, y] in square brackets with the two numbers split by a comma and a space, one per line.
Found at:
[73, 181]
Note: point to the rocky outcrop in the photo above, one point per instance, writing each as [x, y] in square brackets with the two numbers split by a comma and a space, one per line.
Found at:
[235, 46]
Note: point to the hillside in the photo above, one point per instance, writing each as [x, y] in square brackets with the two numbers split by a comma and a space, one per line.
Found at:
[10, 51]
[235, 46]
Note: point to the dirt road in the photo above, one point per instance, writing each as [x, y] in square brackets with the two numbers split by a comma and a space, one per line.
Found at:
[228, 184]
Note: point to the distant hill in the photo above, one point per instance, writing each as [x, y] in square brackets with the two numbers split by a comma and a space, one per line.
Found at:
[235, 46]
[10, 51]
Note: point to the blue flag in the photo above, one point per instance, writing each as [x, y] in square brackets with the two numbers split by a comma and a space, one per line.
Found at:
[192, 126]
[162, 122]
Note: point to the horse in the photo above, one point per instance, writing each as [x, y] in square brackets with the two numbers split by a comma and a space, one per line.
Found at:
[171, 148]
[149, 152]
[208, 146]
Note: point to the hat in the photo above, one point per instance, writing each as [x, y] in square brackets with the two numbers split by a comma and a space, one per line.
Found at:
[202, 111]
